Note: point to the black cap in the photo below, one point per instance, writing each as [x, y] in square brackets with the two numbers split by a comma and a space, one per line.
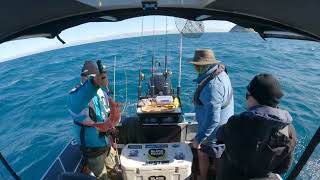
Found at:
[265, 89]
[90, 67]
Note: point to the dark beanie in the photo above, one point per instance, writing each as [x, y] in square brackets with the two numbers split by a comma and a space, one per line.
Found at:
[265, 89]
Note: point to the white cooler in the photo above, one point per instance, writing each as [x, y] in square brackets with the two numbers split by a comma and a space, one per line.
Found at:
[160, 161]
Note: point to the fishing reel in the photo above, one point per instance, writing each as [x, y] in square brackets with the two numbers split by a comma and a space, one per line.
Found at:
[167, 73]
[142, 76]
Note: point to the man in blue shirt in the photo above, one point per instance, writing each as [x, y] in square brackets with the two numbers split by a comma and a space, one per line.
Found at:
[213, 100]
[89, 105]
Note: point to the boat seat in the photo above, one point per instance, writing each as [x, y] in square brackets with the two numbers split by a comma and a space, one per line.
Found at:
[75, 176]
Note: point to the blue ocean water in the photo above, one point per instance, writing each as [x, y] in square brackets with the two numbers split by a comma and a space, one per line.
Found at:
[35, 124]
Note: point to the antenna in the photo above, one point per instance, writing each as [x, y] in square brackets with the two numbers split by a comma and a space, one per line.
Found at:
[188, 29]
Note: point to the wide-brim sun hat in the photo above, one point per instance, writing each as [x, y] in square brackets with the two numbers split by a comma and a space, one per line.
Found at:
[204, 57]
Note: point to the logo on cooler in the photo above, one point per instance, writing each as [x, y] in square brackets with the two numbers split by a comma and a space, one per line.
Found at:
[157, 178]
[157, 152]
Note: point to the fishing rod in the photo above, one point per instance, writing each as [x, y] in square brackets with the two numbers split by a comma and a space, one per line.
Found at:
[100, 67]
[114, 78]
[126, 101]
[166, 56]
[101, 70]
[140, 59]
[180, 67]
[166, 73]
[153, 58]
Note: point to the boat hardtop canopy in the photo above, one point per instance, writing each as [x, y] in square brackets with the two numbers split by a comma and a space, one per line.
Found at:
[37, 18]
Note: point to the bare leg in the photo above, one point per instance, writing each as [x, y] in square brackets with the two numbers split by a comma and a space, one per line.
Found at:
[203, 165]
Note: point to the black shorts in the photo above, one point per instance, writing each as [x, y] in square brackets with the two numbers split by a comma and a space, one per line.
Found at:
[214, 150]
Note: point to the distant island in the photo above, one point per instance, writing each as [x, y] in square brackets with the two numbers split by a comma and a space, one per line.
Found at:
[238, 28]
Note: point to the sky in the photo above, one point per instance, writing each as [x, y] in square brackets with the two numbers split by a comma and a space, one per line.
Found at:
[91, 32]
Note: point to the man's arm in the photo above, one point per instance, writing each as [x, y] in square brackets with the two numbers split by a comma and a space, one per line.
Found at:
[115, 112]
[78, 104]
[113, 119]
[287, 161]
[212, 101]
[224, 131]
[79, 98]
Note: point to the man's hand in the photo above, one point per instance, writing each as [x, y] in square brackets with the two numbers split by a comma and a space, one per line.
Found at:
[195, 144]
[100, 80]
[114, 118]
[115, 112]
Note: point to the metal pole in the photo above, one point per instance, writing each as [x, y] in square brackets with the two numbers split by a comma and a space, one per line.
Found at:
[180, 68]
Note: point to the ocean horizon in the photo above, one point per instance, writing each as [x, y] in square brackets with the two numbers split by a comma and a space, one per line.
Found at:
[97, 39]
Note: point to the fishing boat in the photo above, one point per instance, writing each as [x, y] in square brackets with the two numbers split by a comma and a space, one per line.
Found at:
[163, 127]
